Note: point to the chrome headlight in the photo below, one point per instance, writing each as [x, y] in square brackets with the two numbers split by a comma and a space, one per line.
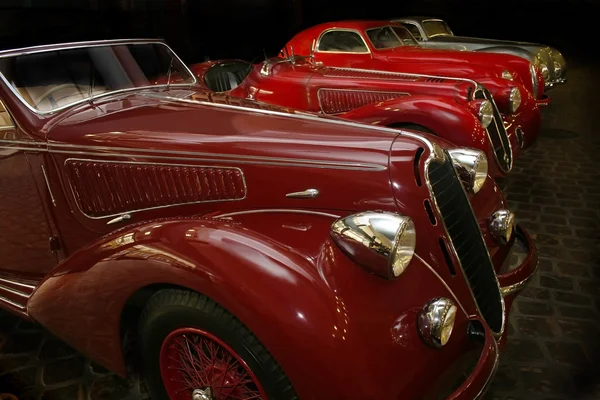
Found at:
[507, 75]
[515, 99]
[486, 113]
[381, 242]
[557, 69]
[502, 225]
[534, 80]
[545, 71]
[436, 322]
[472, 168]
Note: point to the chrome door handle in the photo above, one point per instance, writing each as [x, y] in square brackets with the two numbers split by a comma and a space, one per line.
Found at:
[305, 194]
[118, 219]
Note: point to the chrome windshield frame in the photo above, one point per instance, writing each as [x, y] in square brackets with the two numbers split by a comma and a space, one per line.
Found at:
[77, 45]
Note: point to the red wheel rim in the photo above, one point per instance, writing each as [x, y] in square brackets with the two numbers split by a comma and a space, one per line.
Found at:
[192, 359]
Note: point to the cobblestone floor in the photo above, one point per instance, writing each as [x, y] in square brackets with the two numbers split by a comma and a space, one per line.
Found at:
[554, 349]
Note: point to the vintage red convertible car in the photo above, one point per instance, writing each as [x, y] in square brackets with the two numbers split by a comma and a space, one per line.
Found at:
[459, 110]
[389, 46]
[244, 251]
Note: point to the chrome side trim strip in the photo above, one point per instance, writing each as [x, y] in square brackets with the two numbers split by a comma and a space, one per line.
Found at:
[12, 303]
[17, 283]
[284, 162]
[118, 150]
[274, 210]
[48, 186]
[13, 291]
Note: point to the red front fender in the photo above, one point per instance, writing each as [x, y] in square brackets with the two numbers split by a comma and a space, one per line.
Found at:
[442, 116]
[319, 314]
[249, 274]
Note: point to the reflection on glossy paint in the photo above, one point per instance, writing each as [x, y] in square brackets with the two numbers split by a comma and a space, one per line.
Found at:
[119, 241]
[402, 329]
[341, 330]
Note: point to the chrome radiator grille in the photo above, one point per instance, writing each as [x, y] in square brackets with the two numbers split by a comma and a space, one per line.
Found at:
[498, 136]
[466, 239]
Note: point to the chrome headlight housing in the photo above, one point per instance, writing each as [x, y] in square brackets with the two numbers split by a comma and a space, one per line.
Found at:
[557, 69]
[545, 72]
[502, 225]
[435, 322]
[515, 99]
[534, 80]
[381, 242]
[507, 75]
[486, 113]
[471, 166]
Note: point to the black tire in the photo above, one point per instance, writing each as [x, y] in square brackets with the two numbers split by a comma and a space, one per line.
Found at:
[414, 127]
[171, 309]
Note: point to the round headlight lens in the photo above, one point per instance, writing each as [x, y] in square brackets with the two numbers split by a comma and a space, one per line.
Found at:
[436, 322]
[502, 225]
[507, 75]
[557, 69]
[515, 99]
[472, 168]
[486, 113]
[404, 247]
[545, 71]
[381, 242]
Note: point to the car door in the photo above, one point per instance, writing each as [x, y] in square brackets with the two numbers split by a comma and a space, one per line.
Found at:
[342, 48]
[25, 236]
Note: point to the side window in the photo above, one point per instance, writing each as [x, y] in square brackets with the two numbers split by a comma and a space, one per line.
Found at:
[342, 41]
[413, 29]
[5, 119]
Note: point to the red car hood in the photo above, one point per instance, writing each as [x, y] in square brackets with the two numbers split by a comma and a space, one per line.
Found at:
[420, 55]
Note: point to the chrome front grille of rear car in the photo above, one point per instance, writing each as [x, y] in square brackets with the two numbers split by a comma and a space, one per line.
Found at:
[497, 134]
[466, 241]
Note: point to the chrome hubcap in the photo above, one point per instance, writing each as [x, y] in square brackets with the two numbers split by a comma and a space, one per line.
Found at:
[205, 394]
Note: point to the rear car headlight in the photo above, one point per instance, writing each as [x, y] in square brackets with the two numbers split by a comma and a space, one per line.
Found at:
[381, 242]
[486, 113]
[472, 168]
[502, 225]
[507, 75]
[515, 99]
[436, 320]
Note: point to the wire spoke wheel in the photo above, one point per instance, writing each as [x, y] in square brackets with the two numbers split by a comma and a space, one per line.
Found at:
[196, 365]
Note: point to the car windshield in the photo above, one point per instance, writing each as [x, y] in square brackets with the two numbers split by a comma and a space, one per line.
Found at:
[436, 28]
[54, 79]
[387, 37]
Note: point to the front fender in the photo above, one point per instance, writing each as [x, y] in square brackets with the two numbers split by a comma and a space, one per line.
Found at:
[319, 314]
[265, 283]
[442, 116]
[515, 51]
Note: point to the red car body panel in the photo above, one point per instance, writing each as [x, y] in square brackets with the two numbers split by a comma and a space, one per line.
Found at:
[204, 179]
[413, 59]
[440, 105]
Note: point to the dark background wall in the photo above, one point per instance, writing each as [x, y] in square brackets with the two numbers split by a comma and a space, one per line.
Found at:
[247, 28]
